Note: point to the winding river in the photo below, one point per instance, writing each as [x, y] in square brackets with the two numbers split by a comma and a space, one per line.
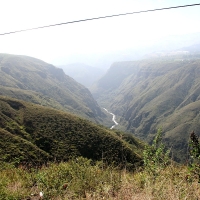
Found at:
[113, 118]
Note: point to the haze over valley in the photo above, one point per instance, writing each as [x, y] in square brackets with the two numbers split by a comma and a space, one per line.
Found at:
[96, 65]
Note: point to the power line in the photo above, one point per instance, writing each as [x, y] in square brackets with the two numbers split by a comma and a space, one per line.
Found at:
[102, 17]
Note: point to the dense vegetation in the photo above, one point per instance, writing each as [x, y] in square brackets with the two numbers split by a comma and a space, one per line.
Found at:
[33, 80]
[81, 178]
[152, 93]
[31, 133]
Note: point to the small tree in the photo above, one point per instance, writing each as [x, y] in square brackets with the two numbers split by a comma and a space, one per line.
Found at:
[155, 156]
[194, 151]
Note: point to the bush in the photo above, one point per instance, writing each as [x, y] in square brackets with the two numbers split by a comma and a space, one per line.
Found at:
[194, 152]
[155, 156]
[77, 178]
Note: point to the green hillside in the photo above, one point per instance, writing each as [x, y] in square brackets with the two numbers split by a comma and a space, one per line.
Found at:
[36, 134]
[162, 92]
[33, 80]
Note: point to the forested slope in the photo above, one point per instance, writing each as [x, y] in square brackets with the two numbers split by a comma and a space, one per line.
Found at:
[35, 134]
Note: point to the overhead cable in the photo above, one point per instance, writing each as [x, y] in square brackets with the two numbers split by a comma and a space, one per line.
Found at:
[102, 17]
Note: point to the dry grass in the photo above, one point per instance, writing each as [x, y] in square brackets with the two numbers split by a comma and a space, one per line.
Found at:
[171, 184]
[88, 182]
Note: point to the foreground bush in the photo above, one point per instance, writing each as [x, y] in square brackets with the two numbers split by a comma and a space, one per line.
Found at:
[76, 179]
[81, 179]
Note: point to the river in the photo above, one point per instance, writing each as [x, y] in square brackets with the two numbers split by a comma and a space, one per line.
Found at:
[113, 118]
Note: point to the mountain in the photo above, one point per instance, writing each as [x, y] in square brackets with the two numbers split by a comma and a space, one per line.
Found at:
[153, 93]
[35, 81]
[84, 74]
[31, 133]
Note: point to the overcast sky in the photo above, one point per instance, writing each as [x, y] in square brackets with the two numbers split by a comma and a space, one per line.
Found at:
[98, 36]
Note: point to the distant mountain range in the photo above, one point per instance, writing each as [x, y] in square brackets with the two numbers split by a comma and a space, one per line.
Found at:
[84, 74]
[152, 93]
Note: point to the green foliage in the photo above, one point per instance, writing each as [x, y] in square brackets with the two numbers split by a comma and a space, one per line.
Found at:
[75, 179]
[155, 157]
[34, 134]
[134, 143]
[194, 151]
[79, 177]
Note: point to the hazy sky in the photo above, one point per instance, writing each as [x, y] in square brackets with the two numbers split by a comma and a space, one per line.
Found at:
[98, 36]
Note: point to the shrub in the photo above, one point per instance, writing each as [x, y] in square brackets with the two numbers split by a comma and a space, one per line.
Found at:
[155, 156]
[77, 178]
[194, 152]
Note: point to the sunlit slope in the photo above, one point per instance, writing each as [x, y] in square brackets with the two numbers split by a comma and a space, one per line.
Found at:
[33, 133]
[45, 84]
[163, 92]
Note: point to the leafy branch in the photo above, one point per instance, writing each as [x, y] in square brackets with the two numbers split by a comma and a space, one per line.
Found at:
[155, 156]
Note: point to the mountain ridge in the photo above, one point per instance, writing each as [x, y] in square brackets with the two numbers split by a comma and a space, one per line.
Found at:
[51, 83]
[152, 95]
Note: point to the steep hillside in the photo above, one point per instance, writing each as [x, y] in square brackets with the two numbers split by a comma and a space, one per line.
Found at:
[163, 92]
[113, 78]
[33, 80]
[32, 133]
